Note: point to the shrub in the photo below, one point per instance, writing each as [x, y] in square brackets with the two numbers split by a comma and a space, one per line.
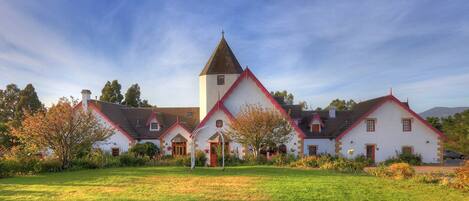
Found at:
[9, 167]
[362, 159]
[200, 158]
[250, 159]
[146, 149]
[380, 171]
[306, 162]
[129, 159]
[183, 161]
[341, 164]
[230, 160]
[282, 159]
[430, 178]
[401, 171]
[411, 159]
[51, 165]
[461, 180]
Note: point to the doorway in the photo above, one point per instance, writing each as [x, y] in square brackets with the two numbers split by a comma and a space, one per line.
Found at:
[370, 152]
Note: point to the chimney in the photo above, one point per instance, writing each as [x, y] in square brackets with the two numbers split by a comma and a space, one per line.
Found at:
[85, 97]
[332, 112]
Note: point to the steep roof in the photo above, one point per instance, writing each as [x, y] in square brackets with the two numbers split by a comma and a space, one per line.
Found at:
[133, 120]
[333, 127]
[222, 61]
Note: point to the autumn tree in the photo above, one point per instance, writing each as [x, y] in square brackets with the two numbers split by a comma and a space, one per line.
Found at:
[111, 92]
[259, 128]
[63, 129]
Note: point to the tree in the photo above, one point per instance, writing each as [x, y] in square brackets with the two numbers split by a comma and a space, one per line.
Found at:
[62, 129]
[287, 97]
[435, 122]
[111, 92]
[132, 97]
[146, 149]
[456, 128]
[259, 128]
[8, 100]
[342, 105]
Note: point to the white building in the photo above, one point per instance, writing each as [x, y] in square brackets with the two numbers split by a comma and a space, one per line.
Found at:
[378, 128]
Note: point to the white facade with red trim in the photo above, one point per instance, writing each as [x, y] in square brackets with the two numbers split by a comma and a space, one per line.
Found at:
[389, 137]
[168, 138]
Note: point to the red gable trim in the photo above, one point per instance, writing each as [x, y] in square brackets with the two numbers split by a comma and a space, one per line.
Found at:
[248, 73]
[152, 116]
[394, 99]
[218, 106]
[117, 127]
[175, 125]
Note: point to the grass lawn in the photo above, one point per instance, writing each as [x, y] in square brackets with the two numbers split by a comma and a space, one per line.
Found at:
[235, 183]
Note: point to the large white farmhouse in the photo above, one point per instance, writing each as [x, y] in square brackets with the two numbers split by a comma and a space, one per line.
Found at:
[378, 128]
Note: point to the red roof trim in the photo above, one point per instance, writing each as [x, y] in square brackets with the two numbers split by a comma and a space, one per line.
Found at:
[218, 106]
[93, 106]
[176, 124]
[394, 99]
[248, 73]
[152, 116]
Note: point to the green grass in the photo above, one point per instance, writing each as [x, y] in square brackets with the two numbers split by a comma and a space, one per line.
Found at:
[235, 183]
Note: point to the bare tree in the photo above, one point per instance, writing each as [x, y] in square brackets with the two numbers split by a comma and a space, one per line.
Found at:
[63, 129]
[260, 128]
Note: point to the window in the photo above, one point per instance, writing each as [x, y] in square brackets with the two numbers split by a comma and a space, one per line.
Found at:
[406, 125]
[312, 150]
[407, 150]
[179, 148]
[115, 151]
[282, 149]
[154, 126]
[370, 125]
[220, 80]
[316, 128]
[219, 123]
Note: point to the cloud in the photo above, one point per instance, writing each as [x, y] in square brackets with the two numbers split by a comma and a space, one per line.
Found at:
[317, 50]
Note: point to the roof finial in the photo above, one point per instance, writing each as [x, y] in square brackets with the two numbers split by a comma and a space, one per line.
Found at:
[390, 91]
[222, 33]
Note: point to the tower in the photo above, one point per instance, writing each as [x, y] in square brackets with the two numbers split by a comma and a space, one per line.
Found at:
[220, 72]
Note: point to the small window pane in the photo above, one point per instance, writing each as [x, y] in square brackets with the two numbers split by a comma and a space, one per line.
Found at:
[219, 123]
[220, 80]
[406, 125]
[312, 150]
[154, 126]
[115, 151]
[370, 125]
[316, 128]
[407, 150]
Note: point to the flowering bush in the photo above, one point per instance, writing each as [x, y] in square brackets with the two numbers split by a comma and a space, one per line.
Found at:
[462, 177]
[306, 162]
[401, 171]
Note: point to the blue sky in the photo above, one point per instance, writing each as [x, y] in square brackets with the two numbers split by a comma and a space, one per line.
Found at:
[319, 50]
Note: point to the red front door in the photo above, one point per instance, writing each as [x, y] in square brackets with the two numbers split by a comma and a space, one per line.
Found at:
[213, 154]
[370, 152]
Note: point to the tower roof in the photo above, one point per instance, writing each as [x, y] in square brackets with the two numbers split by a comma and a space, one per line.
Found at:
[222, 61]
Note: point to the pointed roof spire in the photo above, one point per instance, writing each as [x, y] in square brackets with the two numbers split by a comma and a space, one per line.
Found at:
[222, 61]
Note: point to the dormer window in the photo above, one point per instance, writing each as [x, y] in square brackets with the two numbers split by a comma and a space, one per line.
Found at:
[316, 128]
[154, 126]
[220, 79]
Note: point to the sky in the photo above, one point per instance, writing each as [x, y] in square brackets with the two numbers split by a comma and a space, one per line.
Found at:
[318, 50]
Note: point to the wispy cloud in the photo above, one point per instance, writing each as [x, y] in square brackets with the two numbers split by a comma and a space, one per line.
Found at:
[318, 50]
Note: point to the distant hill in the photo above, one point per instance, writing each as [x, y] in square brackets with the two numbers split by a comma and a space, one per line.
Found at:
[443, 111]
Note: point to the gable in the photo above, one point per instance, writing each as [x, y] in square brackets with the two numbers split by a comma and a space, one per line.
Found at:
[389, 113]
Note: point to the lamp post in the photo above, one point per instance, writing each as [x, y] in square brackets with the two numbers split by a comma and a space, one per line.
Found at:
[222, 148]
[194, 135]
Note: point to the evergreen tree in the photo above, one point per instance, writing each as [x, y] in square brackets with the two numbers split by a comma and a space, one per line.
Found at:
[28, 101]
[132, 96]
[111, 92]
[8, 100]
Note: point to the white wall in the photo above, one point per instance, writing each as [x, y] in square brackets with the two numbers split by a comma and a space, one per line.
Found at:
[389, 137]
[325, 146]
[166, 141]
[117, 139]
[210, 129]
[210, 92]
[246, 93]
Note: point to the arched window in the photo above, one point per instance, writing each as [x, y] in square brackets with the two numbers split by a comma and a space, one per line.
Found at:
[219, 123]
